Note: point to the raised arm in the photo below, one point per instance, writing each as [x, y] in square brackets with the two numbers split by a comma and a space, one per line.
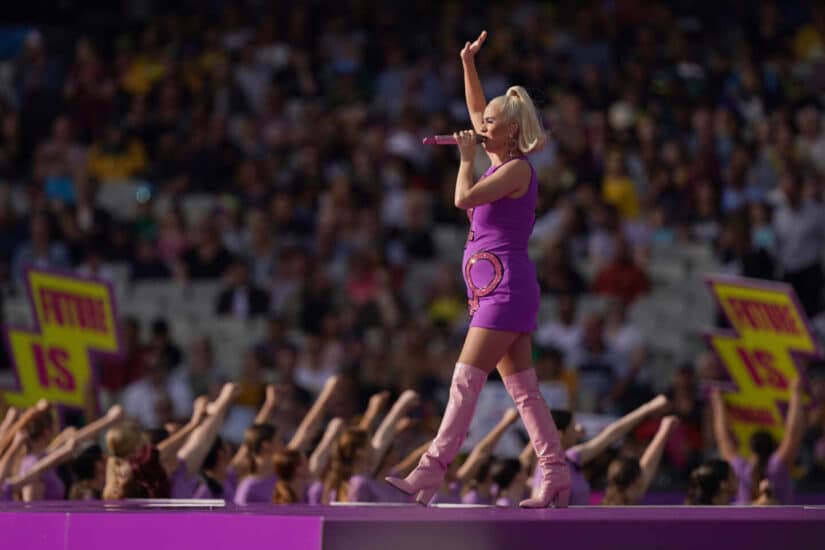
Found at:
[473, 91]
[90, 431]
[653, 454]
[527, 457]
[311, 423]
[270, 405]
[720, 426]
[319, 458]
[27, 416]
[408, 462]
[588, 450]
[11, 415]
[794, 427]
[169, 447]
[194, 451]
[59, 456]
[7, 458]
[62, 437]
[375, 407]
[389, 426]
[485, 447]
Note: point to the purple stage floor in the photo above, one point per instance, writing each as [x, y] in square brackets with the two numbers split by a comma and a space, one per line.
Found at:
[155, 526]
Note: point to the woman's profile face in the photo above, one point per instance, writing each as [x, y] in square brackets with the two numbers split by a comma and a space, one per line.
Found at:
[496, 129]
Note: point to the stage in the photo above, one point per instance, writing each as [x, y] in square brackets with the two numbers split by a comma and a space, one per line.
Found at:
[173, 525]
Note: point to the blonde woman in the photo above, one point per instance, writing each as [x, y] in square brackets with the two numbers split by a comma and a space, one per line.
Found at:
[502, 287]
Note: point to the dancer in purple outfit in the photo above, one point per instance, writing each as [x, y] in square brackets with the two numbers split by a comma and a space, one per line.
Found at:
[578, 455]
[502, 287]
[767, 461]
[8, 487]
[260, 443]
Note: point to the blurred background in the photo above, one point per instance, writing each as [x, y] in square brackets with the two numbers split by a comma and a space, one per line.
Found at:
[250, 178]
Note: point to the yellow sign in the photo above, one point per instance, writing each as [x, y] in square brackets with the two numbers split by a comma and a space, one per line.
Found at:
[769, 332]
[74, 319]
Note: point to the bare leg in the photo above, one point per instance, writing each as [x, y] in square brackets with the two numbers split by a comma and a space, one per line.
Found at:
[484, 348]
[518, 358]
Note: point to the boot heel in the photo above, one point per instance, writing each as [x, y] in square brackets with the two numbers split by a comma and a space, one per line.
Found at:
[561, 499]
[424, 496]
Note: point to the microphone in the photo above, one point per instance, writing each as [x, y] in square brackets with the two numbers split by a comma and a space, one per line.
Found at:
[447, 139]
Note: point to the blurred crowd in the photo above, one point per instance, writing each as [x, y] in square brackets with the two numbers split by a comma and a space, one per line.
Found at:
[303, 123]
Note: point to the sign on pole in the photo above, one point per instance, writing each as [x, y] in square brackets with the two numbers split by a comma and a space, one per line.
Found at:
[769, 333]
[75, 318]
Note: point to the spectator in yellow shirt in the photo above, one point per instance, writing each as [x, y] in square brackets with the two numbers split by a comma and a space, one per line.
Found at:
[618, 189]
[116, 158]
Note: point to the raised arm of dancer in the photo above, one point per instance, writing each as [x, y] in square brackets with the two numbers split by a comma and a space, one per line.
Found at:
[473, 91]
[270, 405]
[389, 426]
[720, 426]
[794, 426]
[65, 433]
[90, 431]
[649, 462]
[7, 458]
[27, 416]
[588, 450]
[408, 462]
[319, 458]
[194, 451]
[169, 447]
[527, 457]
[32, 490]
[11, 415]
[486, 446]
[311, 424]
[377, 404]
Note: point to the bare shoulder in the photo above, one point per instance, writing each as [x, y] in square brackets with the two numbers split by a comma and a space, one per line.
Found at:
[519, 172]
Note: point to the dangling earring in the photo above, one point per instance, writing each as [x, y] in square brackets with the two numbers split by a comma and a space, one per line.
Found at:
[512, 146]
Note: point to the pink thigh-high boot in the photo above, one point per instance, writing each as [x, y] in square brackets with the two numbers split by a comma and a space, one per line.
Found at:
[428, 476]
[523, 387]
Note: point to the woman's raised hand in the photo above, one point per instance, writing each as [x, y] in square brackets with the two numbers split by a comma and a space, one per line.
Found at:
[470, 49]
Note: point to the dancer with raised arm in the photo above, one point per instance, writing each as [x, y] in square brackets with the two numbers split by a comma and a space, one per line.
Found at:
[502, 287]
[578, 455]
[768, 460]
[628, 478]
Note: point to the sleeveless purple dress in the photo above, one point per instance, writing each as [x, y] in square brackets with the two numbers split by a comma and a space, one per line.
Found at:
[502, 287]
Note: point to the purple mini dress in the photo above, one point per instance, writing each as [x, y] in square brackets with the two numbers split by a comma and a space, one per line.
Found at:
[502, 287]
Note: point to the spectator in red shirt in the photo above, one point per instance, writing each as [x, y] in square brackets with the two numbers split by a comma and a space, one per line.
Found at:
[622, 278]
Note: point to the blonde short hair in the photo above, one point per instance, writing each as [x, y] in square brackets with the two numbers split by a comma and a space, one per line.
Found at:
[517, 105]
[124, 440]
